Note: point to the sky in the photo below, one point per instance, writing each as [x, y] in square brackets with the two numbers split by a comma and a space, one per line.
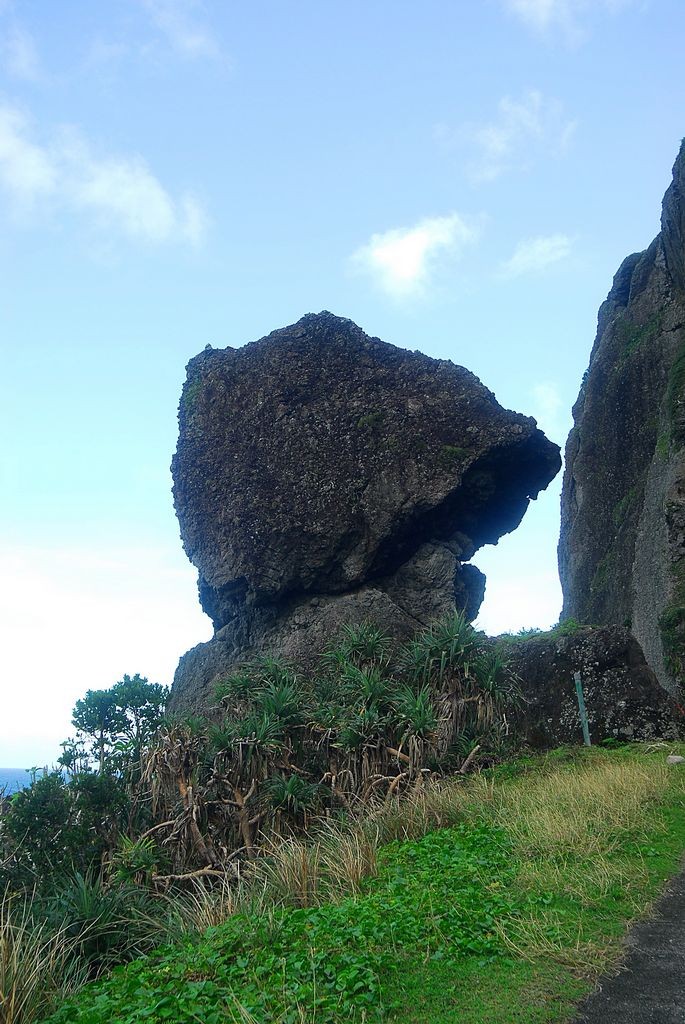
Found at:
[456, 177]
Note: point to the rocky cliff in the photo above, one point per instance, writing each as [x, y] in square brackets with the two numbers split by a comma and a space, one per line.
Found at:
[324, 477]
[622, 545]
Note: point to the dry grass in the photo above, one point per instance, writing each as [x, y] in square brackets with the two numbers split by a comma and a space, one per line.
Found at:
[37, 966]
[566, 824]
[329, 866]
[348, 856]
[585, 811]
[292, 872]
[207, 907]
[439, 803]
[542, 937]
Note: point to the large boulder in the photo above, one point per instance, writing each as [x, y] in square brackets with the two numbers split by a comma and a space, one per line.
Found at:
[622, 545]
[323, 477]
[623, 697]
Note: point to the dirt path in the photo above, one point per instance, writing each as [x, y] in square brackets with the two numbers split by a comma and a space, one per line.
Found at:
[651, 988]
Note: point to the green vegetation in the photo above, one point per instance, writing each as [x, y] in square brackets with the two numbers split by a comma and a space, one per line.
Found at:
[317, 852]
[567, 627]
[498, 899]
[632, 336]
[190, 395]
[672, 625]
[62, 920]
[148, 804]
[371, 419]
[451, 455]
[663, 444]
[601, 574]
[69, 819]
[674, 396]
[672, 629]
[625, 506]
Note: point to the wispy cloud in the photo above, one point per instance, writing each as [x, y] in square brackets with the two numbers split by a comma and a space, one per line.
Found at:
[119, 192]
[27, 171]
[523, 129]
[20, 54]
[180, 23]
[402, 261]
[567, 16]
[533, 255]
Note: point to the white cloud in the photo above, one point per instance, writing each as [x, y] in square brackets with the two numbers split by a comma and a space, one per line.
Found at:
[20, 55]
[535, 254]
[194, 219]
[27, 171]
[113, 191]
[402, 260]
[177, 21]
[523, 128]
[565, 15]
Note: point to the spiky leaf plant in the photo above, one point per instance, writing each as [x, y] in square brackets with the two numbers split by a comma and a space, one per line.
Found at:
[449, 645]
[360, 645]
[294, 795]
[282, 702]
[237, 686]
[415, 712]
[366, 688]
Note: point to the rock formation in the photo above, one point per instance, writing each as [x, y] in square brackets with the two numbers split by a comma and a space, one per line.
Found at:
[324, 477]
[623, 698]
[622, 546]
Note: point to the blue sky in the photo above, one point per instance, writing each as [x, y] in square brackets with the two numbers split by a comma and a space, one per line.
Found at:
[455, 177]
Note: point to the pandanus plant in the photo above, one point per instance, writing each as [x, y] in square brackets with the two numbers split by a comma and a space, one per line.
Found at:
[285, 747]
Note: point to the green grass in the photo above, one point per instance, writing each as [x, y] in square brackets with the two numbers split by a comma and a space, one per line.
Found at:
[507, 992]
[579, 908]
[505, 916]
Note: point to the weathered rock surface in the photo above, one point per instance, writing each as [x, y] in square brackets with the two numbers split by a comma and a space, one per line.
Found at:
[324, 477]
[623, 697]
[622, 545]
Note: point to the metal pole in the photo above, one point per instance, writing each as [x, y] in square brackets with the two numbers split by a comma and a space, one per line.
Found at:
[581, 708]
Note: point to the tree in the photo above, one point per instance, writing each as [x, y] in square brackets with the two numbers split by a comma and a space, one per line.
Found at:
[118, 721]
[142, 707]
[99, 717]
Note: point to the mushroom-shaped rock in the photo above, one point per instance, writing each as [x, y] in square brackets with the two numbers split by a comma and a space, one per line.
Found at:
[318, 466]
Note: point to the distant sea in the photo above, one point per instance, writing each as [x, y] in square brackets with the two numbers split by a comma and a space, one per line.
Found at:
[12, 779]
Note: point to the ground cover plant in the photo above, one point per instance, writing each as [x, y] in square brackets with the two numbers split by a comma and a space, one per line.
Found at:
[496, 899]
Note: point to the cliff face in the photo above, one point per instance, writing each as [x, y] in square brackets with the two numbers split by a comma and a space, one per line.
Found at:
[622, 544]
[324, 477]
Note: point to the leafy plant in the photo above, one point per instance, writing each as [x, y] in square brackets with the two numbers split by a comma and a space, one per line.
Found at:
[105, 924]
